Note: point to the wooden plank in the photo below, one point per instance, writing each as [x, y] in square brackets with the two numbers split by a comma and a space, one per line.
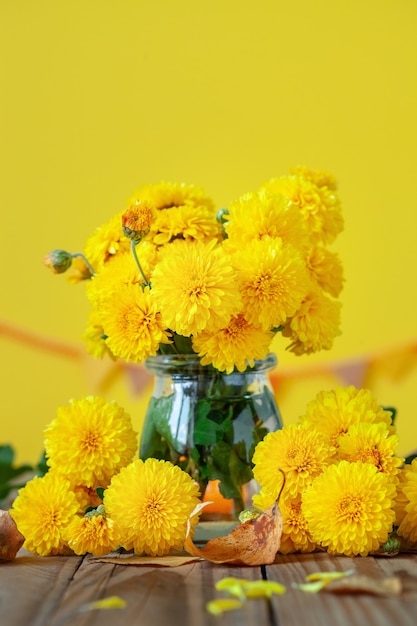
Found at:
[154, 596]
[329, 609]
[31, 587]
[36, 591]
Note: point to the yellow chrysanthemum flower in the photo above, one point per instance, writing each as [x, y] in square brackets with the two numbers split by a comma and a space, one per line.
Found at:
[237, 345]
[349, 508]
[90, 440]
[320, 178]
[408, 524]
[195, 287]
[371, 443]
[273, 281]
[185, 222]
[326, 269]
[295, 534]
[401, 499]
[122, 270]
[315, 325]
[93, 533]
[182, 211]
[334, 412]
[95, 338]
[137, 219]
[319, 206]
[166, 195]
[263, 216]
[133, 326]
[299, 451]
[42, 509]
[87, 497]
[263, 500]
[150, 502]
[106, 241]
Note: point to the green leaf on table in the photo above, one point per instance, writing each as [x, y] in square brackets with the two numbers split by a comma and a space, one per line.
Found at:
[9, 473]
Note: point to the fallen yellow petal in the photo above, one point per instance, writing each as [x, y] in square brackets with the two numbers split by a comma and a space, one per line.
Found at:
[327, 576]
[242, 588]
[112, 602]
[313, 587]
[234, 586]
[263, 589]
[318, 580]
[217, 607]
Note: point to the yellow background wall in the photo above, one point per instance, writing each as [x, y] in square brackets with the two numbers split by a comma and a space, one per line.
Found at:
[99, 96]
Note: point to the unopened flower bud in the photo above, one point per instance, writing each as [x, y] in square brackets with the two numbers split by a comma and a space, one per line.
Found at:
[58, 261]
[137, 220]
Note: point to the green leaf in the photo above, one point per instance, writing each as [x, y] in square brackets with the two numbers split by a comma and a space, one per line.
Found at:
[6, 454]
[8, 473]
[100, 492]
[410, 458]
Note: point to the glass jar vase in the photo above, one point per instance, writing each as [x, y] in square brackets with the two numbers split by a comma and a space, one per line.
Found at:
[208, 422]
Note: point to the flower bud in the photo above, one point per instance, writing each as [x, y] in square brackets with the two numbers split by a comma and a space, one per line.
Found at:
[58, 261]
[137, 220]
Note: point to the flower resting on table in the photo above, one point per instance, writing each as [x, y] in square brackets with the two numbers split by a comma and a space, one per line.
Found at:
[150, 503]
[42, 509]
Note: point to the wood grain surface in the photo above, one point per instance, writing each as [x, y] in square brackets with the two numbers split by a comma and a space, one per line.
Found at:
[55, 591]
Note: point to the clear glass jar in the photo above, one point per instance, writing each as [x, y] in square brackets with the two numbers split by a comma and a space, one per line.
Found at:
[209, 422]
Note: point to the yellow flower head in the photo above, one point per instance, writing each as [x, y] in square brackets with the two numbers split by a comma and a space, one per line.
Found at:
[167, 195]
[133, 326]
[121, 270]
[237, 345]
[195, 287]
[273, 280]
[185, 222]
[326, 270]
[349, 508]
[182, 211]
[371, 443]
[299, 451]
[137, 219]
[150, 503]
[42, 509]
[90, 440]
[334, 412]
[95, 338]
[315, 325]
[295, 534]
[319, 206]
[106, 241]
[93, 533]
[263, 216]
[87, 497]
[320, 178]
[408, 492]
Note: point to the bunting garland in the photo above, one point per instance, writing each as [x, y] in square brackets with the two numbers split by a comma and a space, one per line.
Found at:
[391, 362]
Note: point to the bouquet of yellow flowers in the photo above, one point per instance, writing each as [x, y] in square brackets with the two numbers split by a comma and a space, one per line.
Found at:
[204, 292]
[172, 274]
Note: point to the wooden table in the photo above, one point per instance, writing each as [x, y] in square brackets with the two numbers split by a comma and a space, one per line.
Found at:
[52, 591]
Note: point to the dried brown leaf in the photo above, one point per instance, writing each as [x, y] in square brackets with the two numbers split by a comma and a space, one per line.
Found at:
[254, 542]
[173, 560]
[366, 584]
[11, 540]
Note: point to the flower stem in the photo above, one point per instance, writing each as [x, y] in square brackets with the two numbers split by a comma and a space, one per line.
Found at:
[133, 245]
[80, 254]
